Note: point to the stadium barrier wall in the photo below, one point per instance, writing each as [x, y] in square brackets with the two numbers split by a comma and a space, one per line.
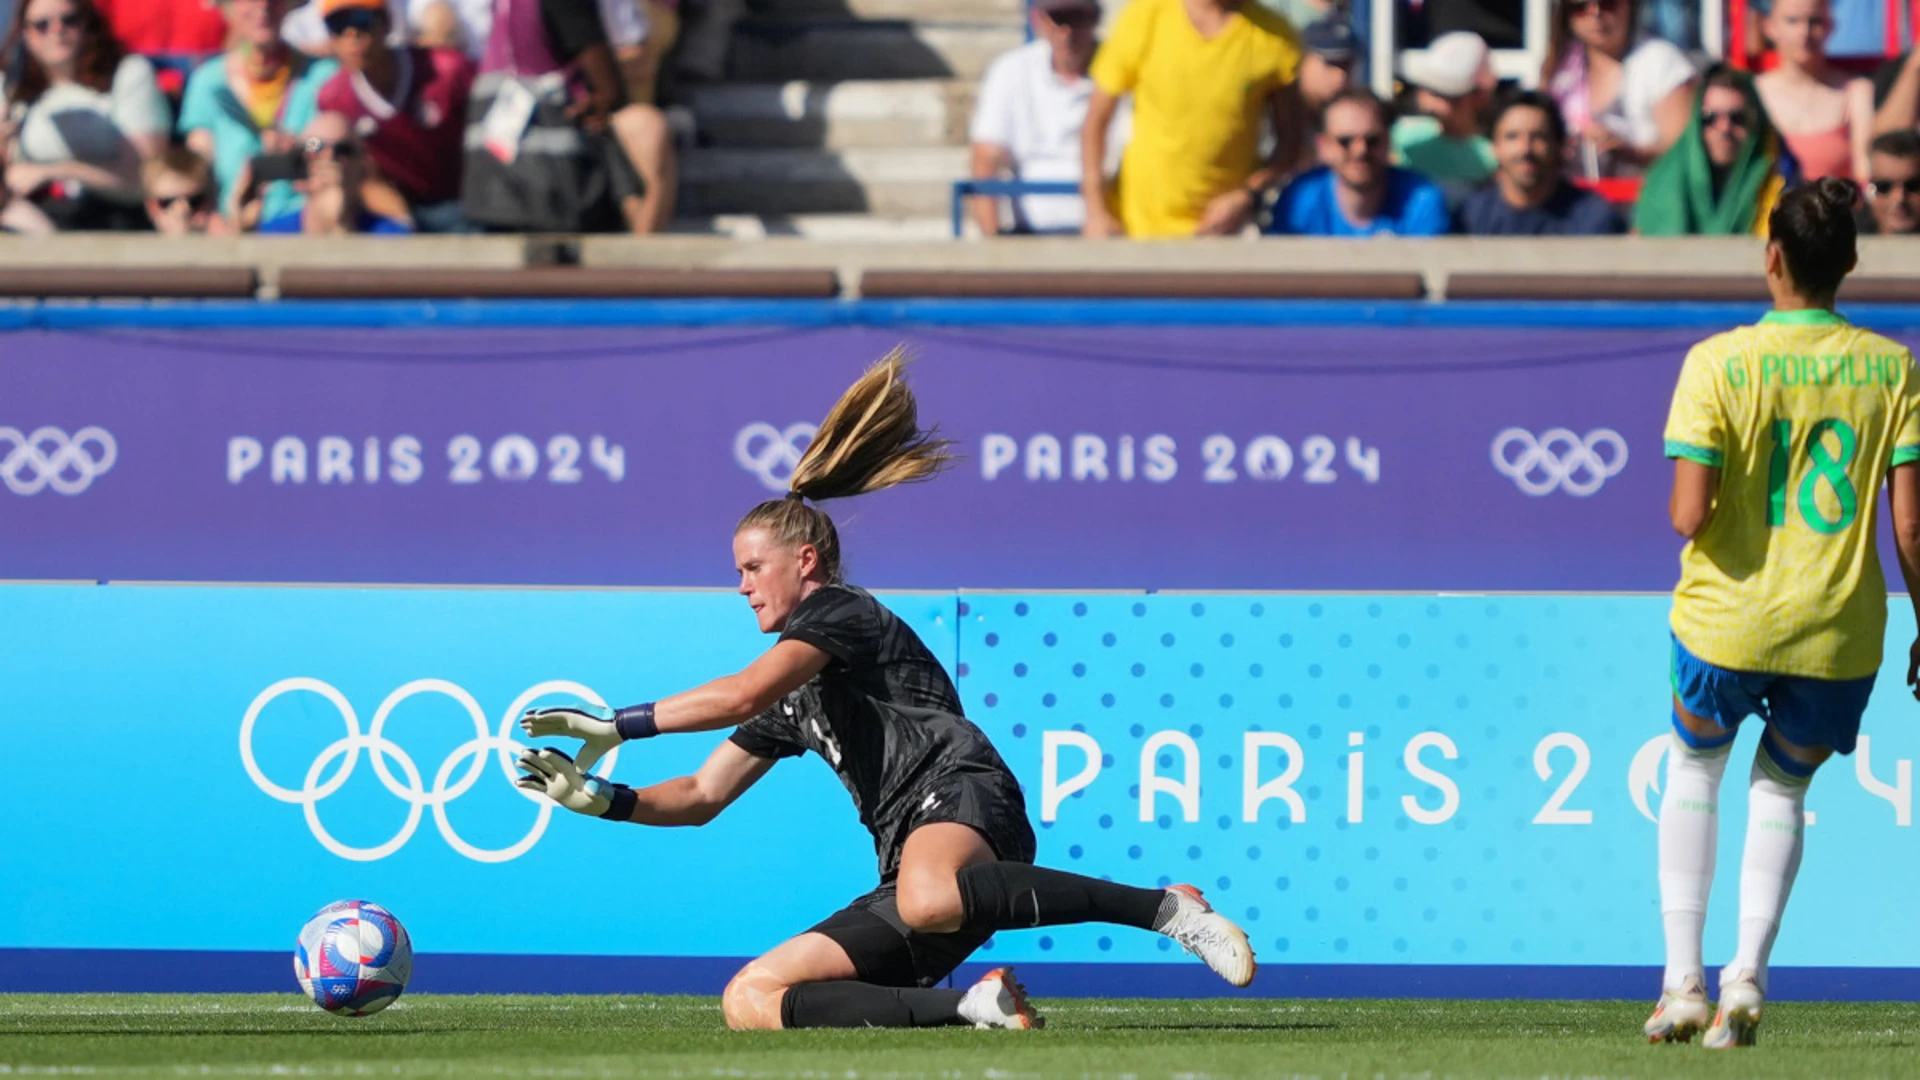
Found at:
[1394, 794]
[1102, 447]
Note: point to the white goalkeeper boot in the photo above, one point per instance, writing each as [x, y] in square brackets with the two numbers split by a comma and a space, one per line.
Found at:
[1738, 1021]
[1681, 1014]
[1209, 935]
[999, 1001]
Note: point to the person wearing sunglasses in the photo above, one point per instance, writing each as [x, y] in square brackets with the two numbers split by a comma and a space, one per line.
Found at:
[1026, 123]
[1824, 115]
[334, 164]
[256, 97]
[1893, 185]
[1357, 191]
[180, 194]
[1726, 173]
[1530, 195]
[84, 114]
[1625, 96]
[407, 105]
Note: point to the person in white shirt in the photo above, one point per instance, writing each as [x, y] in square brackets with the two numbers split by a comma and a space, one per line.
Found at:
[1033, 101]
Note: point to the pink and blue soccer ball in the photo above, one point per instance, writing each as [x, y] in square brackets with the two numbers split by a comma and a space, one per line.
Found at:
[353, 958]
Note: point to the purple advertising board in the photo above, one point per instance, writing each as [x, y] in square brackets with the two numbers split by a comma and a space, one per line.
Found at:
[1093, 457]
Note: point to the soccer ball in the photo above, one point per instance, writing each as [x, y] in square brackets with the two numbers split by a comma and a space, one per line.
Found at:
[353, 958]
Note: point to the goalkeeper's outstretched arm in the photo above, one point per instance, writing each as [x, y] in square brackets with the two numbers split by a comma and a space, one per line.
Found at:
[697, 799]
[722, 703]
[686, 800]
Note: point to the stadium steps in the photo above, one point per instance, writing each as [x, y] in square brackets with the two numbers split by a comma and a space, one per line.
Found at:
[842, 118]
[822, 228]
[828, 48]
[890, 182]
[834, 116]
[996, 12]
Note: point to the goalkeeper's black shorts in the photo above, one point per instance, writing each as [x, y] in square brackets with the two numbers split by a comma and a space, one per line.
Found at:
[884, 950]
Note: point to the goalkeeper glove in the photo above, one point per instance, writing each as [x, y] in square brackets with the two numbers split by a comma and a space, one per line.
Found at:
[592, 724]
[554, 774]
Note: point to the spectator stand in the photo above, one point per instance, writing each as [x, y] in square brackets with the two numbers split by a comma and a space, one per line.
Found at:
[965, 189]
[1752, 55]
[1519, 65]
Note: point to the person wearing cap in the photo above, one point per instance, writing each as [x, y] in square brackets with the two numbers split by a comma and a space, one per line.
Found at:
[407, 106]
[1358, 192]
[1026, 124]
[252, 98]
[1327, 67]
[1453, 85]
[1204, 75]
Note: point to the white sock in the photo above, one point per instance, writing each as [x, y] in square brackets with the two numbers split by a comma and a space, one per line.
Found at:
[1689, 833]
[1776, 819]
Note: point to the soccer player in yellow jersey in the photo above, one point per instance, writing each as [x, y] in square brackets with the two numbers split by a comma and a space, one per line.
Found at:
[1781, 433]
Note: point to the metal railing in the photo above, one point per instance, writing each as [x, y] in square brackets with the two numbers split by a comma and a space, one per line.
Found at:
[965, 189]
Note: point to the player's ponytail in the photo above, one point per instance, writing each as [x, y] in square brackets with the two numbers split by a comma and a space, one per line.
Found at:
[1813, 226]
[870, 440]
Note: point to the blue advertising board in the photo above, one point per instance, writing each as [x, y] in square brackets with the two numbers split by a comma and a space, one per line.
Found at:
[1394, 794]
[1217, 457]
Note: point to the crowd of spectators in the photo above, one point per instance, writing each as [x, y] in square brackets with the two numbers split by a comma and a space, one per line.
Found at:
[341, 116]
[1191, 117]
[1240, 119]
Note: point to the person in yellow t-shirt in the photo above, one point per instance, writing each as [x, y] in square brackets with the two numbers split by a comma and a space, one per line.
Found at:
[1781, 434]
[1202, 73]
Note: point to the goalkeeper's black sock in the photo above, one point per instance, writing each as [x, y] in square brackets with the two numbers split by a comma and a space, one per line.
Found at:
[1015, 896]
[848, 1004]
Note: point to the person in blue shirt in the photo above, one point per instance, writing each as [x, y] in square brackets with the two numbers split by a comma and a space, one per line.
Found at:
[1530, 195]
[251, 98]
[1358, 191]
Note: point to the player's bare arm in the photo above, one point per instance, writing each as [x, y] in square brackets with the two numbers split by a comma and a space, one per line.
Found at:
[697, 799]
[1691, 506]
[733, 699]
[1903, 498]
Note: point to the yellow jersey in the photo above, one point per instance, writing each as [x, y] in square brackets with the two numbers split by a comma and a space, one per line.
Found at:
[1802, 414]
[1197, 106]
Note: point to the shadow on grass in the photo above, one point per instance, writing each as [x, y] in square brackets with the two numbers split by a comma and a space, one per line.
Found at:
[1213, 1027]
[319, 1033]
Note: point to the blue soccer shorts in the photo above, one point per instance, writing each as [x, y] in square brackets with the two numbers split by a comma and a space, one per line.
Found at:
[1803, 711]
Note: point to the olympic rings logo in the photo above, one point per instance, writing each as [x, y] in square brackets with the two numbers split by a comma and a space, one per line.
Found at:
[379, 748]
[1559, 460]
[48, 458]
[770, 453]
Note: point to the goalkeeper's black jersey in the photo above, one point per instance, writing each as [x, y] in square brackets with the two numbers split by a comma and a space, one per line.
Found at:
[884, 714]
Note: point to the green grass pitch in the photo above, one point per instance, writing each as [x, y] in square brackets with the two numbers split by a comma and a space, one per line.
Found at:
[682, 1037]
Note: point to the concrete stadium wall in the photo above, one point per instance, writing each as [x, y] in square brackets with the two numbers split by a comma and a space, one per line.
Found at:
[1626, 268]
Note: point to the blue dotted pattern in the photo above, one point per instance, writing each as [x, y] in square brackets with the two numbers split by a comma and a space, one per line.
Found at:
[1495, 675]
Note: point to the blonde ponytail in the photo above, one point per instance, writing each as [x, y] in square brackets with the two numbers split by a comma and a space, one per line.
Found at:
[871, 440]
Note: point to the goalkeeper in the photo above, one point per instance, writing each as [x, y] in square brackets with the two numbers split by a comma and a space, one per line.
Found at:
[852, 683]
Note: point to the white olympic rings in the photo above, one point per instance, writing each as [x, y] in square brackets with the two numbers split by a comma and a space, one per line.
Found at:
[770, 453]
[417, 798]
[1559, 460]
[66, 465]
